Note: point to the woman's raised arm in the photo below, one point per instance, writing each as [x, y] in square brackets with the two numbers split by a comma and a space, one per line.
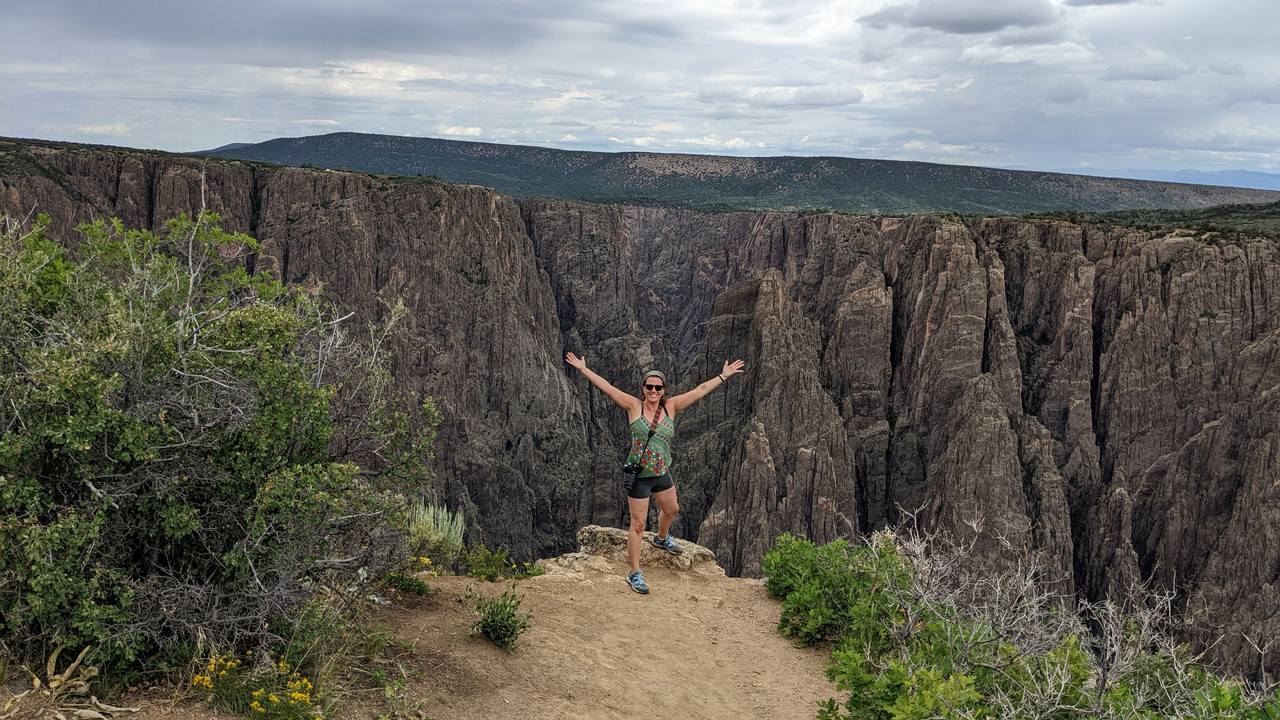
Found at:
[684, 400]
[626, 402]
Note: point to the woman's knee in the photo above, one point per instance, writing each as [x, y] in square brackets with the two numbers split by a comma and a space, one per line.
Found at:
[668, 503]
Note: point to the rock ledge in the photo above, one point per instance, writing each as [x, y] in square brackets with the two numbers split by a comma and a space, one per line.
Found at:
[601, 546]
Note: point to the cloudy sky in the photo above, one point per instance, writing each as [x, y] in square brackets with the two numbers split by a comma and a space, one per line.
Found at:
[1083, 85]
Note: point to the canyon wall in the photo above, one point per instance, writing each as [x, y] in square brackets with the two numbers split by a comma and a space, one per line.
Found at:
[1105, 396]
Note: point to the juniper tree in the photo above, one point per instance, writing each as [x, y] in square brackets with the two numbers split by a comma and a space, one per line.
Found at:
[187, 450]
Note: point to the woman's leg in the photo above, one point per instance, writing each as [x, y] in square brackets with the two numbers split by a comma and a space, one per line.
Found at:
[639, 508]
[668, 506]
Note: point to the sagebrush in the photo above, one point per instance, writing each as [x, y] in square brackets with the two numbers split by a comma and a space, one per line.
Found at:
[435, 532]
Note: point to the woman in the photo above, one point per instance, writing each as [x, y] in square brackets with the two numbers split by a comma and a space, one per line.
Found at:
[652, 420]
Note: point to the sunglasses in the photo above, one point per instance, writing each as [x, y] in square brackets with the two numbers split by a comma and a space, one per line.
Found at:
[654, 388]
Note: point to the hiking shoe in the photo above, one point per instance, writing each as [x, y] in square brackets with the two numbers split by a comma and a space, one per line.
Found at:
[637, 582]
[667, 544]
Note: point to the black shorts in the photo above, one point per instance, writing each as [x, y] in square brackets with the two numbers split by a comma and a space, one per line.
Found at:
[646, 486]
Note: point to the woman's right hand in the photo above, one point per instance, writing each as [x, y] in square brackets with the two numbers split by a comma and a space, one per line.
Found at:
[575, 361]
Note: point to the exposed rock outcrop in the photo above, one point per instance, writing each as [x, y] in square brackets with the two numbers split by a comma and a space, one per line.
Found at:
[1105, 396]
[609, 544]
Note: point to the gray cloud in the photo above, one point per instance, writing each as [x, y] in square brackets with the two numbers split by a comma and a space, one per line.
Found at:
[884, 18]
[1090, 3]
[1266, 94]
[799, 98]
[1032, 36]
[1145, 72]
[646, 31]
[965, 17]
[740, 115]
[300, 29]
[979, 16]
[1227, 68]
[1068, 90]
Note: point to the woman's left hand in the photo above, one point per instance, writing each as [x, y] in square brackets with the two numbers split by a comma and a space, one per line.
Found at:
[731, 368]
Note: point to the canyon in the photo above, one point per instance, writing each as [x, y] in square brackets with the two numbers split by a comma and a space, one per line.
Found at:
[1105, 397]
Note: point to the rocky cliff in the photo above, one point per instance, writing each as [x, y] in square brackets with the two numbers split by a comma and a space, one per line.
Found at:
[1106, 396]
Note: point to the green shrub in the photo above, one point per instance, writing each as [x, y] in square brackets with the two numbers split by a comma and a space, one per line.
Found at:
[188, 452]
[436, 533]
[926, 630]
[833, 590]
[500, 619]
[494, 565]
[408, 583]
[481, 562]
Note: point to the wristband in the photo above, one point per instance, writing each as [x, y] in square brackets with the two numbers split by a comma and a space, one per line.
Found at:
[721, 377]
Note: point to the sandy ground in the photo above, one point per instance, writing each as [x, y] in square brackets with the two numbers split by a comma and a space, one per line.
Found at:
[700, 645]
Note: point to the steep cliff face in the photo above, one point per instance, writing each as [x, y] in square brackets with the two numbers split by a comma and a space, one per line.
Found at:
[1108, 397]
[885, 381]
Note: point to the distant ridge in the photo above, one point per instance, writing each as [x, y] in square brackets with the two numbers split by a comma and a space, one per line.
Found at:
[1248, 179]
[713, 182]
[1234, 178]
[222, 148]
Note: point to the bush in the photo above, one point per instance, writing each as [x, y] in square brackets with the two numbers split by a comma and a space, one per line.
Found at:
[436, 533]
[831, 591]
[486, 564]
[500, 619]
[408, 583]
[925, 630]
[494, 565]
[188, 452]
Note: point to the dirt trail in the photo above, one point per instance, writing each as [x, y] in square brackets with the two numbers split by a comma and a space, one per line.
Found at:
[700, 645]
[697, 646]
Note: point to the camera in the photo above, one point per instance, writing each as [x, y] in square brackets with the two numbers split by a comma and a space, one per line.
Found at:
[629, 472]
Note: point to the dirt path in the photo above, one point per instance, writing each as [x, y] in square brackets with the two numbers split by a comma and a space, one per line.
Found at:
[700, 645]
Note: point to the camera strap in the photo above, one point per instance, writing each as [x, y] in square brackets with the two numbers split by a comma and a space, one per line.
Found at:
[653, 427]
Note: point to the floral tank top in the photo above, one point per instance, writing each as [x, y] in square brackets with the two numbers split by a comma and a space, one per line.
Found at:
[657, 458]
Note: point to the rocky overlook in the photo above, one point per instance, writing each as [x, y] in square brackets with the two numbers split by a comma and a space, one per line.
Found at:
[1106, 395]
[591, 650]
